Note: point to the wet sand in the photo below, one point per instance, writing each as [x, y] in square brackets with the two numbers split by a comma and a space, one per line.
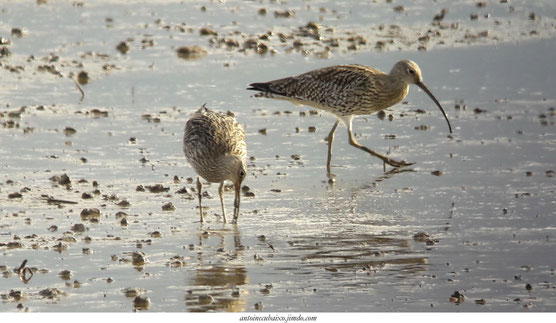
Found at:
[96, 195]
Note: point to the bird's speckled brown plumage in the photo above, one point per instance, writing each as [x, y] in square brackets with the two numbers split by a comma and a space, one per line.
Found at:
[342, 90]
[214, 145]
[347, 91]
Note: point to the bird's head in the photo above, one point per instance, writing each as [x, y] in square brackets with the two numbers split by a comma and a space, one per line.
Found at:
[235, 168]
[408, 71]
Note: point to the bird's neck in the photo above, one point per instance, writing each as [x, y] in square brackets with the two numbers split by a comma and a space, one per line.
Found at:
[395, 90]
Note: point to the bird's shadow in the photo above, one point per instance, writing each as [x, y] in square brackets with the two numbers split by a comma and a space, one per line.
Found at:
[386, 175]
[390, 174]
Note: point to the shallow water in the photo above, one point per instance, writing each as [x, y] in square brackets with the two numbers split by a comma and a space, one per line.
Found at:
[301, 244]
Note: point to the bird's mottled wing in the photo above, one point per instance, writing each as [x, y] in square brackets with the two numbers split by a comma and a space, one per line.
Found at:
[210, 133]
[231, 137]
[340, 89]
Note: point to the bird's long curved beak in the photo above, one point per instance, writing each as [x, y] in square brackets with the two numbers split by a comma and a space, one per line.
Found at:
[237, 188]
[426, 90]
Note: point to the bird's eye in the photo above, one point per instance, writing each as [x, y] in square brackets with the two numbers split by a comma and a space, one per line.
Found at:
[411, 71]
[242, 173]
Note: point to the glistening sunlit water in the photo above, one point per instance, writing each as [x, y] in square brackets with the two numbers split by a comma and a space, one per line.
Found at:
[301, 244]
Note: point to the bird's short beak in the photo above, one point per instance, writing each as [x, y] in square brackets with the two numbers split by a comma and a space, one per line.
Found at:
[237, 188]
[426, 90]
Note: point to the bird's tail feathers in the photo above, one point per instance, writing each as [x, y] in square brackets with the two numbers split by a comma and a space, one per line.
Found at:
[265, 88]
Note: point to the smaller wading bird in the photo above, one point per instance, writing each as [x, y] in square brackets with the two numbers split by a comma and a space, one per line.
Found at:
[348, 91]
[214, 145]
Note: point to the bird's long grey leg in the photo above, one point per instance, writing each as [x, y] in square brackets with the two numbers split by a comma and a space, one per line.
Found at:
[387, 160]
[220, 191]
[199, 187]
[330, 140]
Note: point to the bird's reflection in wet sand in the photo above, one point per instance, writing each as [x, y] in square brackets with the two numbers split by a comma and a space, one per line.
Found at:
[365, 253]
[216, 285]
[366, 246]
[371, 243]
